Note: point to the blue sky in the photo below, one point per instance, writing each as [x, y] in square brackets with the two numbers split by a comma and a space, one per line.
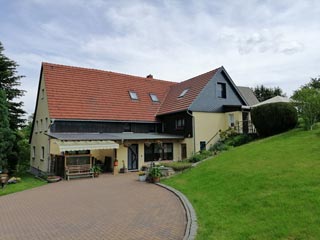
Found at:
[274, 43]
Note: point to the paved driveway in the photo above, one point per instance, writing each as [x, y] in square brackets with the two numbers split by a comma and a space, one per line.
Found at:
[108, 207]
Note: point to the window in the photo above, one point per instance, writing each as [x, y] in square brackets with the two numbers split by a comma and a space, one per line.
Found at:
[202, 145]
[180, 123]
[42, 94]
[41, 125]
[231, 120]
[155, 152]
[133, 95]
[184, 92]
[221, 90]
[37, 125]
[33, 152]
[46, 126]
[42, 153]
[154, 97]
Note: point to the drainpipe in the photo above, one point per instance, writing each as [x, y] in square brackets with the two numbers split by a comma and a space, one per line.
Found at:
[193, 131]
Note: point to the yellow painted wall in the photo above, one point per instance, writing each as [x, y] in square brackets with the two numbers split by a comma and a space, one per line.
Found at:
[208, 124]
[39, 139]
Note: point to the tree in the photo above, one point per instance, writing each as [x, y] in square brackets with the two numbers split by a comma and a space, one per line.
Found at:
[307, 100]
[6, 134]
[263, 93]
[9, 82]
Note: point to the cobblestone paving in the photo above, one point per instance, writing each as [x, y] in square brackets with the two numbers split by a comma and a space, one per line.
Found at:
[108, 207]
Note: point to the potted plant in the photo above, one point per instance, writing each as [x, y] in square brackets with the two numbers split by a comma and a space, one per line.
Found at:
[142, 176]
[155, 174]
[96, 170]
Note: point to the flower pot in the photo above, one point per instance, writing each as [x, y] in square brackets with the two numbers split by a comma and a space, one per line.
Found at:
[156, 179]
[96, 174]
[115, 163]
[142, 178]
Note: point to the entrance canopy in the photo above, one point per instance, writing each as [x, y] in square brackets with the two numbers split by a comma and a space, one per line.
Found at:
[85, 145]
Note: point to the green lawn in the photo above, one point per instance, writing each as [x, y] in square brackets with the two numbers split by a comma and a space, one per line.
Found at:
[27, 181]
[268, 189]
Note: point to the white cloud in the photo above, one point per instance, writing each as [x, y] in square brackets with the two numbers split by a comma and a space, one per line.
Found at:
[271, 43]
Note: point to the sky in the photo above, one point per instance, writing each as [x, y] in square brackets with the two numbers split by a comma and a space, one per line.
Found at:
[271, 43]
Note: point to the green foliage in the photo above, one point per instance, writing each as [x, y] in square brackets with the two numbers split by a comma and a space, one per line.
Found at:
[6, 134]
[240, 139]
[155, 172]
[274, 118]
[9, 82]
[219, 146]
[200, 156]
[307, 100]
[267, 189]
[263, 93]
[178, 166]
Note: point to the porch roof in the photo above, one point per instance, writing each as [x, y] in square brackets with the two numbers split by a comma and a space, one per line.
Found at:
[112, 136]
[85, 145]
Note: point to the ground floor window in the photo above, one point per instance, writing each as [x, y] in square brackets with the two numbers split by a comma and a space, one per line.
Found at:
[155, 152]
[202, 145]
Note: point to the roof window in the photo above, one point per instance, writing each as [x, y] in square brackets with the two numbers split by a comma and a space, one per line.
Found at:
[154, 97]
[133, 95]
[183, 93]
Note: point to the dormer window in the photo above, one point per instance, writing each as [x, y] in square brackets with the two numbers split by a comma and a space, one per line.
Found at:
[154, 97]
[184, 92]
[133, 95]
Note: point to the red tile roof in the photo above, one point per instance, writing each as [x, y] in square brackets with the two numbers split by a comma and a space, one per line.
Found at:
[88, 94]
[173, 103]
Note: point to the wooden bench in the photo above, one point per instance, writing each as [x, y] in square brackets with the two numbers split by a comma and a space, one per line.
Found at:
[79, 171]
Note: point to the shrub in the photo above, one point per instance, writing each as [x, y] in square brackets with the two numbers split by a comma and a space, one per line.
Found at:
[200, 156]
[241, 139]
[178, 166]
[273, 118]
[219, 146]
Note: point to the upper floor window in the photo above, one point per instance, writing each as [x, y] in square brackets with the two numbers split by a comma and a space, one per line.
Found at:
[184, 92]
[33, 152]
[41, 125]
[46, 126]
[37, 126]
[180, 123]
[42, 94]
[154, 97]
[133, 95]
[221, 90]
[42, 153]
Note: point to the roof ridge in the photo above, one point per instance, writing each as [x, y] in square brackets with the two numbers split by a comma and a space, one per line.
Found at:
[100, 70]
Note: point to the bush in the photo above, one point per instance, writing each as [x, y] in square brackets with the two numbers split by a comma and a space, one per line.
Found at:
[200, 156]
[241, 139]
[274, 118]
[178, 166]
[219, 146]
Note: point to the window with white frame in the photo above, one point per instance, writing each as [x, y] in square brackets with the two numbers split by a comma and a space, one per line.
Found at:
[33, 152]
[231, 120]
[180, 123]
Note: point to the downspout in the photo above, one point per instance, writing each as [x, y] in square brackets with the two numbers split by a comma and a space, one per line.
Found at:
[193, 131]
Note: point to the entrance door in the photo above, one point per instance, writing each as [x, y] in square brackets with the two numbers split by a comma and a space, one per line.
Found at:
[133, 157]
[59, 166]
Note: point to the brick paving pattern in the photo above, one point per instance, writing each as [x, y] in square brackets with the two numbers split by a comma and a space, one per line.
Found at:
[108, 207]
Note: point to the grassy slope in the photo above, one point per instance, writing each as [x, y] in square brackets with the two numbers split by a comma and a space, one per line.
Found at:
[27, 181]
[269, 189]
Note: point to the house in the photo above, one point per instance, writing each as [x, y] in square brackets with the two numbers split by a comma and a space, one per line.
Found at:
[84, 115]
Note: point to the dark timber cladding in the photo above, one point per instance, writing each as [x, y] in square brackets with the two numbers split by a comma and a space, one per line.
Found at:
[169, 123]
[106, 127]
[209, 100]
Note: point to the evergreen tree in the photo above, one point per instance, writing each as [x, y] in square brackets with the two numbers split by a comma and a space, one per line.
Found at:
[6, 134]
[9, 82]
[263, 93]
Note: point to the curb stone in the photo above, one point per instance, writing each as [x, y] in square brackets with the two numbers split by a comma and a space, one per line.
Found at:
[192, 223]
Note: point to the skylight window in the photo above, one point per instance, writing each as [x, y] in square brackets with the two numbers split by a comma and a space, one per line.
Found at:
[183, 93]
[133, 95]
[154, 97]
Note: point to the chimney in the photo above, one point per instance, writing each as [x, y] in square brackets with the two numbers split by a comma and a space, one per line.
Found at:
[150, 76]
